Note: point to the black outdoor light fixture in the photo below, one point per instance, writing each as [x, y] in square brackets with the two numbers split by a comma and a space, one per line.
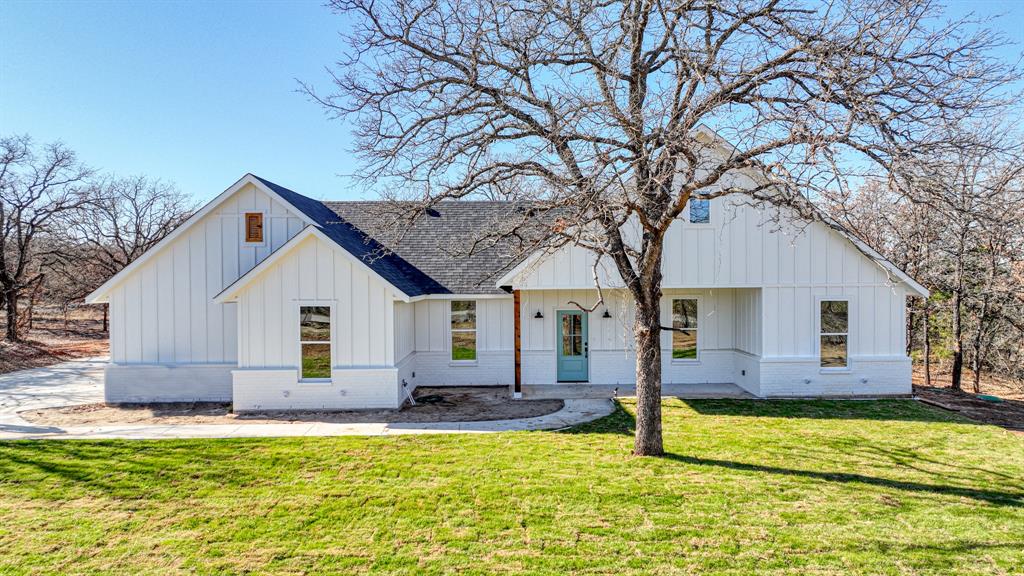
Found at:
[538, 315]
[606, 314]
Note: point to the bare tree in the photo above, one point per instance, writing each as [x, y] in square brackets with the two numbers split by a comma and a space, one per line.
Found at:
[604, 103]
[123, 218]
[969, 181]
[36, 186]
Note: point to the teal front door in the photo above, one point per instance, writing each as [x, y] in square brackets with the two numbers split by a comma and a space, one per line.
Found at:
[572, 346]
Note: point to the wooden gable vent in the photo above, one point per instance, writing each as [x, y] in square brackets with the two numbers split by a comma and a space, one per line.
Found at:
[254, 227]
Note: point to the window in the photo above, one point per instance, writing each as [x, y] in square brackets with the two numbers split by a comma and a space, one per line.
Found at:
[315, 341]
[463, 330]
[684, 329]
[254, 227]
[700, 211]
[835, 332]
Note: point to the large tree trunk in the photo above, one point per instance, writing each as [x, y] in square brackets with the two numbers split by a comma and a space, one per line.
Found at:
[978, 346]
[927, 344]
[958, 344]
[11, 303]
[647, 331]
[106, 309]
[910, 327]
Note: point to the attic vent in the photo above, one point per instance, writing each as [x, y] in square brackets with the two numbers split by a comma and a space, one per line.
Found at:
[433, 213]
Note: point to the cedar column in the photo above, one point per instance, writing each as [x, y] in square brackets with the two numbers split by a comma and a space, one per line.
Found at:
[517, 389]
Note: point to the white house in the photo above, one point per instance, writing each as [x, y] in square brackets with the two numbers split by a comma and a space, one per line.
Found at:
[273, 300]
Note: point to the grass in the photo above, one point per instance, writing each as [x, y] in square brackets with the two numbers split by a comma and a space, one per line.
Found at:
[884, 487]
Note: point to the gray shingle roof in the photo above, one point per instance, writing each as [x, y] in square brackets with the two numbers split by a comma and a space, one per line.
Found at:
[440, 242]
[392, 267]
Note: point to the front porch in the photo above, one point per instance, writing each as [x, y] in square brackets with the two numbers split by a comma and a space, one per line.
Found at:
[684, 391]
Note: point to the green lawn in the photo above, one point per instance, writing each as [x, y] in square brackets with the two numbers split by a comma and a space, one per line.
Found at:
[890, 487]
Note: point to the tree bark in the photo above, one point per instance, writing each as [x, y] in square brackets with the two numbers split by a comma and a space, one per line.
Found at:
[927, 344]
[977, 344]
[647, 331]
[106, 309]
[11, 303]
[910, 327]
[958, 344]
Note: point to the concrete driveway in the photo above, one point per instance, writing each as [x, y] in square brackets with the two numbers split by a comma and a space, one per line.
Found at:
[64, 384]
[81, 382]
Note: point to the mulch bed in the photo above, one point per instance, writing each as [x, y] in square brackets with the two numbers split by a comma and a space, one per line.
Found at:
[1009, 413]
[443, 404]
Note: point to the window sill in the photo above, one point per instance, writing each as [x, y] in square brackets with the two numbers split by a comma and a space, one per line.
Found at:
[467, 363]
[844, 370]
[687, 361]
[315, 382]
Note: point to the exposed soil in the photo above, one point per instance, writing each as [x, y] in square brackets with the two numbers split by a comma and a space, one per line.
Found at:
[457, 404]
[51, 340]
[1009, 413]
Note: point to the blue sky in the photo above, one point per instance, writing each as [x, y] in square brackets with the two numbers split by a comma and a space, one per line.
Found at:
[201, 93]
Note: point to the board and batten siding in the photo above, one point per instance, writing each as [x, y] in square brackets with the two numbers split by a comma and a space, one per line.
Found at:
[315, 273]
[742, 247]
[788, 270]
[163, 313]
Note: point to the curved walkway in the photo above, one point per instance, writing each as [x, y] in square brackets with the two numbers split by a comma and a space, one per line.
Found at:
[81, 382]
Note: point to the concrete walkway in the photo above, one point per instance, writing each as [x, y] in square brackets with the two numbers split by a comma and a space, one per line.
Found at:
[81, 382]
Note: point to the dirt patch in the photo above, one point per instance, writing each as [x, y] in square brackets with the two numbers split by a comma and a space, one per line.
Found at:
[448, 404]
[1009, 413]
[51, 340]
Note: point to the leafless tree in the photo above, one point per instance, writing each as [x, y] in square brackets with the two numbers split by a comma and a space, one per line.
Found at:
[603, 103]
[123, 218]
[36, 186]
[951, 217]
[969, 181]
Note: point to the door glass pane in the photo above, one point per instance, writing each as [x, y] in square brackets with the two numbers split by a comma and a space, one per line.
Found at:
[834, 316]
[316, 360]
[315, 323]
[577, 345]
[577, 323]
[566, 344]
[833, 351]
[464, 345]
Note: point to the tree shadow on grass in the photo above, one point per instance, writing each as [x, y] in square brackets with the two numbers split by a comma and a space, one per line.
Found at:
[905, 410]
[997, 497]
[131, 470]
[619, 421]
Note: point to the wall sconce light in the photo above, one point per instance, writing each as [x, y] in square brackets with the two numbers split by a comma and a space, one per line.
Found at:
[538, 315]
[606, 314]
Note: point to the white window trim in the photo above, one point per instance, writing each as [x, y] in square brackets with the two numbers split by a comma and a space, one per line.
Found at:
[850, 315]
[297, 315]
[700, 329]
[266, 228]
[475, 330]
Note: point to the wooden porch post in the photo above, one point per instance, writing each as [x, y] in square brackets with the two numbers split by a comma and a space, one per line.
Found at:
[517, 389]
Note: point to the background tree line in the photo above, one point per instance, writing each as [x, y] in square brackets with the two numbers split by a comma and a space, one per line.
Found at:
[952, 218]
[65, 228]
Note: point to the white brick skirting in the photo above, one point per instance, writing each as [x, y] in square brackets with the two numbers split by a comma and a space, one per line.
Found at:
[349, 389]
[140, 383]
[437, 369]
[867, 376]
